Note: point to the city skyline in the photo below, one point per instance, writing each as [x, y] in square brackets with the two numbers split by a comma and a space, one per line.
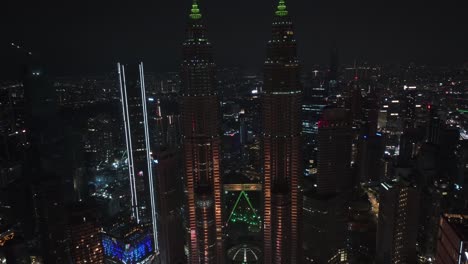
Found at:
[327, 152]
[428, 33]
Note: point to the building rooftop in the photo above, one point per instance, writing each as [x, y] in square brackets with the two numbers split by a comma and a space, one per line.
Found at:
[459, 222]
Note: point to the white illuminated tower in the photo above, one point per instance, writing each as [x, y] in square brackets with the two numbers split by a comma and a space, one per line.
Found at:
[138, 147]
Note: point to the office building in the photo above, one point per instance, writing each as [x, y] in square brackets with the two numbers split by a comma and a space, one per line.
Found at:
[334, 152]
[397, 222]
[85, 235]
[128, 243]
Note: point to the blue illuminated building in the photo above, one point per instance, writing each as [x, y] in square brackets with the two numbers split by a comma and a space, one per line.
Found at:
[129, 245]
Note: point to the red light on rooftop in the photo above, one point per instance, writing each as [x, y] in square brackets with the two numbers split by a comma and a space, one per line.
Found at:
[322, 123]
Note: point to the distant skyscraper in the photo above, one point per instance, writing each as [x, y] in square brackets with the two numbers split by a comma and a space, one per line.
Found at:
[281, 102]
[243, 130]
[398, 222]
[334, 64]
[99, 145]
[452, 243]
[334, 151]
[313, 103]
[409, 143]
[370, 113]
[201, 143]
[370, 154]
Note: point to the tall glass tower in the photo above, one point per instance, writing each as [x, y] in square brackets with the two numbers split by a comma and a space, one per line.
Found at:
[281, 110]
[201, 143]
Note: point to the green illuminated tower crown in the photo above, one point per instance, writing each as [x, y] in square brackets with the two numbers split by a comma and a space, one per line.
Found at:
[195, 11]
[281, 9]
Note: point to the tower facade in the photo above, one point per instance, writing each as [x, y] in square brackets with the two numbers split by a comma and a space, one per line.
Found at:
[201, 144]
[281, 110]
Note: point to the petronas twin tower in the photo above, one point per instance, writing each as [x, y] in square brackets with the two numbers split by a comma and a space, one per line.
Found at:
[281, 105]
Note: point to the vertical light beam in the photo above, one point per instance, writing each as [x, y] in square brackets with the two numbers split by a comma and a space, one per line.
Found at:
[148, 157]
[127, 143]
[130, 153]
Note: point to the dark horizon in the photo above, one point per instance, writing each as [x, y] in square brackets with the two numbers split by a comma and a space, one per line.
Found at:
[91, 37]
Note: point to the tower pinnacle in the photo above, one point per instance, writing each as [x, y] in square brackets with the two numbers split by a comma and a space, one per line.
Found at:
[281, 9]
[195, 11]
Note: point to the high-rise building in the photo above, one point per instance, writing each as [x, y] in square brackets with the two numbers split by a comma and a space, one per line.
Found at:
[333, 70]
[370, 155]
[313, 102]
[85, 235]
[370, 113]
[99, 145]
[169, 190]
[281, 103]
[201, 144]
[334, 151]
[397, 223]
[436, 198]
[452, 239]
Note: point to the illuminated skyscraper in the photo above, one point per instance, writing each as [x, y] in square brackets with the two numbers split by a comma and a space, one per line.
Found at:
[281, 103]
[201, 143]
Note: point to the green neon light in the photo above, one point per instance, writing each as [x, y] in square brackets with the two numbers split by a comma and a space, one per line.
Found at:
[281, 10]
[195, 12]
[250, 204]
[235, 206]
[249, 217]
[463, 111]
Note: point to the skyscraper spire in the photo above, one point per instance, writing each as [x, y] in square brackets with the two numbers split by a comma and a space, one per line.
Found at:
[281, 9]
[195, 11]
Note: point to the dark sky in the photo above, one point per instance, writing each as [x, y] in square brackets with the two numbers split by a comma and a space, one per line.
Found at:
[89, 36]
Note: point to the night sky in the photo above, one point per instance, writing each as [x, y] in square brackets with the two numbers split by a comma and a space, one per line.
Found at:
[89, 36]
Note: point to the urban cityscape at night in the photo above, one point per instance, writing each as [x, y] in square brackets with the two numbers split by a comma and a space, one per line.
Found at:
[242, 132]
